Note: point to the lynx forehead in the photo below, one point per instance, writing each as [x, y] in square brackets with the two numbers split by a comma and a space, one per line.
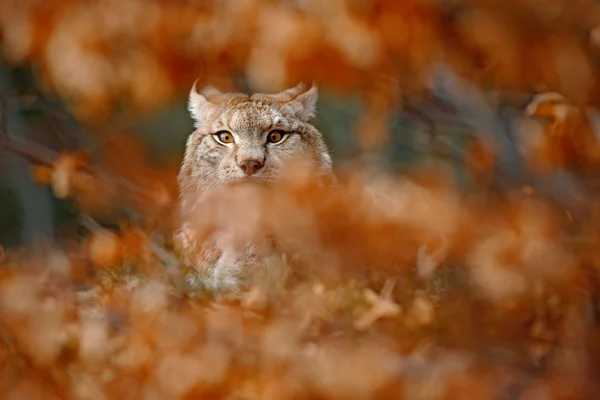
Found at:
[241, 137]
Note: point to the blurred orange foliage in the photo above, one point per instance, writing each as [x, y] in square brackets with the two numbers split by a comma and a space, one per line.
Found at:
[387, 288]
[98, 54]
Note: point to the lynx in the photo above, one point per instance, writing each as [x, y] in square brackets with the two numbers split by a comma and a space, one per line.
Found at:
[246, 139]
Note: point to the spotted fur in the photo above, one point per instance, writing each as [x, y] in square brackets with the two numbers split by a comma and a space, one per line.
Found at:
[209, 164]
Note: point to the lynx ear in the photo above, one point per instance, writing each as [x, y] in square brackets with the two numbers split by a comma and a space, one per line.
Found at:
[199, 105]
[302, 103]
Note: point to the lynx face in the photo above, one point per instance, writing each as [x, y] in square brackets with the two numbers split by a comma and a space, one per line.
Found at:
[241, 137]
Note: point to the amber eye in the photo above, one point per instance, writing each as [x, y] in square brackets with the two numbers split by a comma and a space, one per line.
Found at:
[276, 136]
[223, 137]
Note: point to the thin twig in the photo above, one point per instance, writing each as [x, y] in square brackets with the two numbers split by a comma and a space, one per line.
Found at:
[37, 154]
[165, 256]
[30, 151]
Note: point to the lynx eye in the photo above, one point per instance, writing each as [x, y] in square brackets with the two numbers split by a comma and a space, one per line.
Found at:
[223, 137]
[276, 136]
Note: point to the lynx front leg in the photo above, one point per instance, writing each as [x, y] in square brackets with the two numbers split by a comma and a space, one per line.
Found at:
[226, 272]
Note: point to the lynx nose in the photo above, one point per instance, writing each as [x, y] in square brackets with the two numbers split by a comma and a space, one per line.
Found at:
[250, 166]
